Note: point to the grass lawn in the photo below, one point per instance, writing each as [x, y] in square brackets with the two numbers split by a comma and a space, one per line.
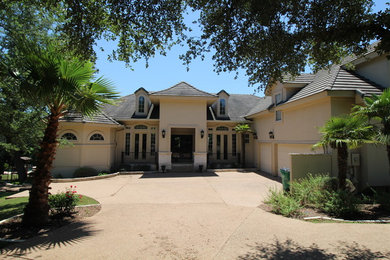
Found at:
[8, 177]
[12, 207]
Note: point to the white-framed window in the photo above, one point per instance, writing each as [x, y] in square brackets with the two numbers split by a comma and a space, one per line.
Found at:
[278, 98]
[141, 104]
[96, 137]
[69, 137]
[222, 106]
[278, 115]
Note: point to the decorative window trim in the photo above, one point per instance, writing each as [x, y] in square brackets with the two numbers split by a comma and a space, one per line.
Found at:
[222, 128]
[96, 137]
[141, 127]
[69, 134]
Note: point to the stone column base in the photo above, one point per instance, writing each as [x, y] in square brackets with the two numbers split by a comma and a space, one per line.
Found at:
[200, 159]
[165, 159]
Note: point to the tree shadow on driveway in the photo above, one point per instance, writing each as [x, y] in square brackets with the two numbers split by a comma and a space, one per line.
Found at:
[61, 237]
[291, 250]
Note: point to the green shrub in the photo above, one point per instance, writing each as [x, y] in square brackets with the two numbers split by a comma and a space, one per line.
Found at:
[102, 174]
[341, 203]
[282, 203]
[312, 190]
[319, 192]
[85, 172]
[64, 203]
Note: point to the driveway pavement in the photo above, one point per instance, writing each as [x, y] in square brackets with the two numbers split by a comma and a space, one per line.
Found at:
[197, 217]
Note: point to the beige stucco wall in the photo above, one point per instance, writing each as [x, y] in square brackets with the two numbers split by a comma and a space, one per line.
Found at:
[295, 133]
[284, 150]
[302, 164]
[83, 152]
[377, 70]
[183, 113]
[374, 165]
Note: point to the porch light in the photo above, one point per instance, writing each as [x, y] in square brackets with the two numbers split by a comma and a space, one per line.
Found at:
[271, 135]
[163, 133]
[201, 133]
[254, 135]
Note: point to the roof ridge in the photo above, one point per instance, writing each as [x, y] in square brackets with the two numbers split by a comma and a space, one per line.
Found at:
[186, 84]
[109, 117]
[335, 77]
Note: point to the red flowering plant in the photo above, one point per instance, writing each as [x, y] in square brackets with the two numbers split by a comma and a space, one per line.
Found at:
[63, 203]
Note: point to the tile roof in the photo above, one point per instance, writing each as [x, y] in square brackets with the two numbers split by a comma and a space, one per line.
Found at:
[183, 89]
[124, 109]
[240, 105]
[303, 78]
[337, 78]
[99, 118]
[264, 104]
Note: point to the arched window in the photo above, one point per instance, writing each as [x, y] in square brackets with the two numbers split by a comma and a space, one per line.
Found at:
[96, 137]
[222, 107]
[141, 104]
[140, 127]
[69, 136]
[222, 128]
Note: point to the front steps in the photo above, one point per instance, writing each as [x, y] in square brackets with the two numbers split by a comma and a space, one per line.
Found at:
[182, 167]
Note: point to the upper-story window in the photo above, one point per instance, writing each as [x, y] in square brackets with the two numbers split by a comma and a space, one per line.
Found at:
[141, 104]
[278, 115]
[96, 137]
[278, 98]
[222, 107]
[69, 137]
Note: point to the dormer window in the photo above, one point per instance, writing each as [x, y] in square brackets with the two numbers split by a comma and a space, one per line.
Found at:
[141, 104]
[278, 98]
[222, 107]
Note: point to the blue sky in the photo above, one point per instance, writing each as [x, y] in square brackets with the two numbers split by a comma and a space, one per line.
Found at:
[165, 71]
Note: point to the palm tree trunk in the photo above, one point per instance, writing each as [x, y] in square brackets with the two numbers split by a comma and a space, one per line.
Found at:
[342, 161]
[36, 212]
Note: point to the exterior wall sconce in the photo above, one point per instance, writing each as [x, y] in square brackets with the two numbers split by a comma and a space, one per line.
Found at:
[163, 133]
[271, 135]
[254, 135]
[201, 133]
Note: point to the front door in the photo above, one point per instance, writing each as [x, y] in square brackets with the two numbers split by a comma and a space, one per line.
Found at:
[181, 148]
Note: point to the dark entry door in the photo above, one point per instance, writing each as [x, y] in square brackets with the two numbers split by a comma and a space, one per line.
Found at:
[181, 148]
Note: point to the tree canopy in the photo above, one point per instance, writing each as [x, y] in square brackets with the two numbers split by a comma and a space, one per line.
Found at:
[266, 38]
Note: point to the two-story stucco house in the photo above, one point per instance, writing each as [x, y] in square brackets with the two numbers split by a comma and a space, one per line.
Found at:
[183, 127]
[301, 105]
[179, 128]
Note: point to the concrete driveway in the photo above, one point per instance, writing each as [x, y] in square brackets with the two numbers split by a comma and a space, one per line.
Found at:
[197, 217]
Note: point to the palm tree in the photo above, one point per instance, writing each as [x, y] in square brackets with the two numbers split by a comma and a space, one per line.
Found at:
[61, 83]
[243, 129]
[378, 108]
[343, 133]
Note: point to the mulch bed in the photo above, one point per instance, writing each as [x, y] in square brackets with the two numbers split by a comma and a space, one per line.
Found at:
[367, 212]
[13, 229]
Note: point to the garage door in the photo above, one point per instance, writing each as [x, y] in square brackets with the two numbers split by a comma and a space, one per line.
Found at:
[265, 158]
